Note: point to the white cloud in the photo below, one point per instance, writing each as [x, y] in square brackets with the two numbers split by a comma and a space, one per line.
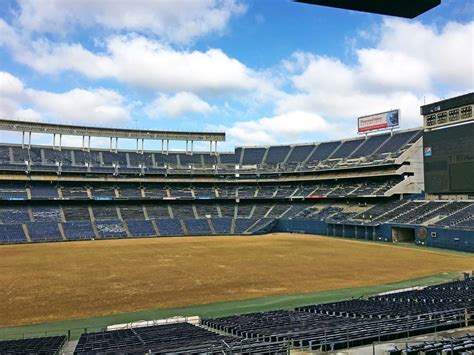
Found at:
[11, 95]
[448, 52]
[95, 106]
[136, 61]
[285, 128]
[150, 64]
[10, 86]
[177, 105]
[175, 21]
[409, 62]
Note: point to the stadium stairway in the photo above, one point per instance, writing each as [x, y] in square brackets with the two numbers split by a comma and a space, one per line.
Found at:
[211, 226]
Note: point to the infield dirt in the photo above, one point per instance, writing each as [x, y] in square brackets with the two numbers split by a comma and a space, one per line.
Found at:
[58, 281]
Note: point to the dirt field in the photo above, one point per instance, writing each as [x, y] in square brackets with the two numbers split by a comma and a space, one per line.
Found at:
[57, 281]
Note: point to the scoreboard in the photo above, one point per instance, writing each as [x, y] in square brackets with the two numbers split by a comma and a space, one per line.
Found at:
[448, 146]
[447, 112]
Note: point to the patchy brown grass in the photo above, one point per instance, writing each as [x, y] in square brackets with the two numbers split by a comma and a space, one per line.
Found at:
[59, 281]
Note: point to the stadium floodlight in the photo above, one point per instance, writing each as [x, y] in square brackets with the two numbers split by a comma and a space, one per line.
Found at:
[398, 8]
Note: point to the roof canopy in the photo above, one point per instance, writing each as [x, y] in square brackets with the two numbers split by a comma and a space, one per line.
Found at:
[399, 8]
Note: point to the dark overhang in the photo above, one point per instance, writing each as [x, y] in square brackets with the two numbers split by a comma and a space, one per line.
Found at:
[399, 8]
[443, 105]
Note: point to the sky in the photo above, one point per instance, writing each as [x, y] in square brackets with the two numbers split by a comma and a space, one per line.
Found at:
[263, 71]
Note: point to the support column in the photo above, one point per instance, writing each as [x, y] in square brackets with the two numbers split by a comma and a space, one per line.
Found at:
[136, 151]
[215, 147]
[110, 145]
[89, 144]
[210, 147]
[60, 141]
[29, 140]
[116, 144]
[83, 144]
[143, 145]
[162, 146]
[186, 146]
[192, 147]
[22, 139]
[167, 146]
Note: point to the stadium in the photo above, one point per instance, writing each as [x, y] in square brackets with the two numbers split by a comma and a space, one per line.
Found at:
[358, 245]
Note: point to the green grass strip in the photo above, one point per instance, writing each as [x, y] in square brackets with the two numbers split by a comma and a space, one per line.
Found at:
[78, 326]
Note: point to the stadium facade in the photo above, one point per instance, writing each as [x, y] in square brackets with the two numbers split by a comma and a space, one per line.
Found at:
[369, 187]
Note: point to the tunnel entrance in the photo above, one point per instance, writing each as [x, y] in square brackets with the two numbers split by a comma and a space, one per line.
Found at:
[403, 235]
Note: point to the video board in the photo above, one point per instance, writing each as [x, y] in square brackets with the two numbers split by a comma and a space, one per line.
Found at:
[449, 160]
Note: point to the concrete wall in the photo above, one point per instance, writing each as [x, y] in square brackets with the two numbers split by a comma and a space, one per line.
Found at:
[442, 238]
[301, 225]
[323, 228]
[447, 238]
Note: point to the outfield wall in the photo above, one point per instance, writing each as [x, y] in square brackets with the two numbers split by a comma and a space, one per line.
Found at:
[328, 229]
[436, 237]
[447, 238]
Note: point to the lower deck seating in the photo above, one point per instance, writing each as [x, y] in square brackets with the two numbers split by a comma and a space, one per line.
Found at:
[198, 226]
[110, 219]
[180, 338]
[222, 225]
[38, 346]
[11, 234]
[78, 230]
[141, 228]
[351, 323]
[111, 229]
[169, 227]
[453, 345]
[44, 232]
[242, 224]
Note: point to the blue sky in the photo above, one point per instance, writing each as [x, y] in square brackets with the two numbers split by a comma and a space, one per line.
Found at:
[264, 71]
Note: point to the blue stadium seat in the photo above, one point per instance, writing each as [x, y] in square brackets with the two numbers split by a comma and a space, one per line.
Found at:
[141, 228]
[169, 227]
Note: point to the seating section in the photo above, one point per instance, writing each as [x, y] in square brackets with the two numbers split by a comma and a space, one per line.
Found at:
[457, 214]
[222, 225]
[111, 229]
[141, 228]
[253, 156]
[111, 220]
[12, 234]
[180, 338]
[449, 296]
[356, 322]
[15, 191]
[375, 150]
[129, 191]
[242, 224]
[460, 215]
[198, 226]
[169, 227]
[44, 232]
[78, 230]
[44, 214]
[454, 345]
[38, 346]
[47, 192]
[299, 153]
[276, 155]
